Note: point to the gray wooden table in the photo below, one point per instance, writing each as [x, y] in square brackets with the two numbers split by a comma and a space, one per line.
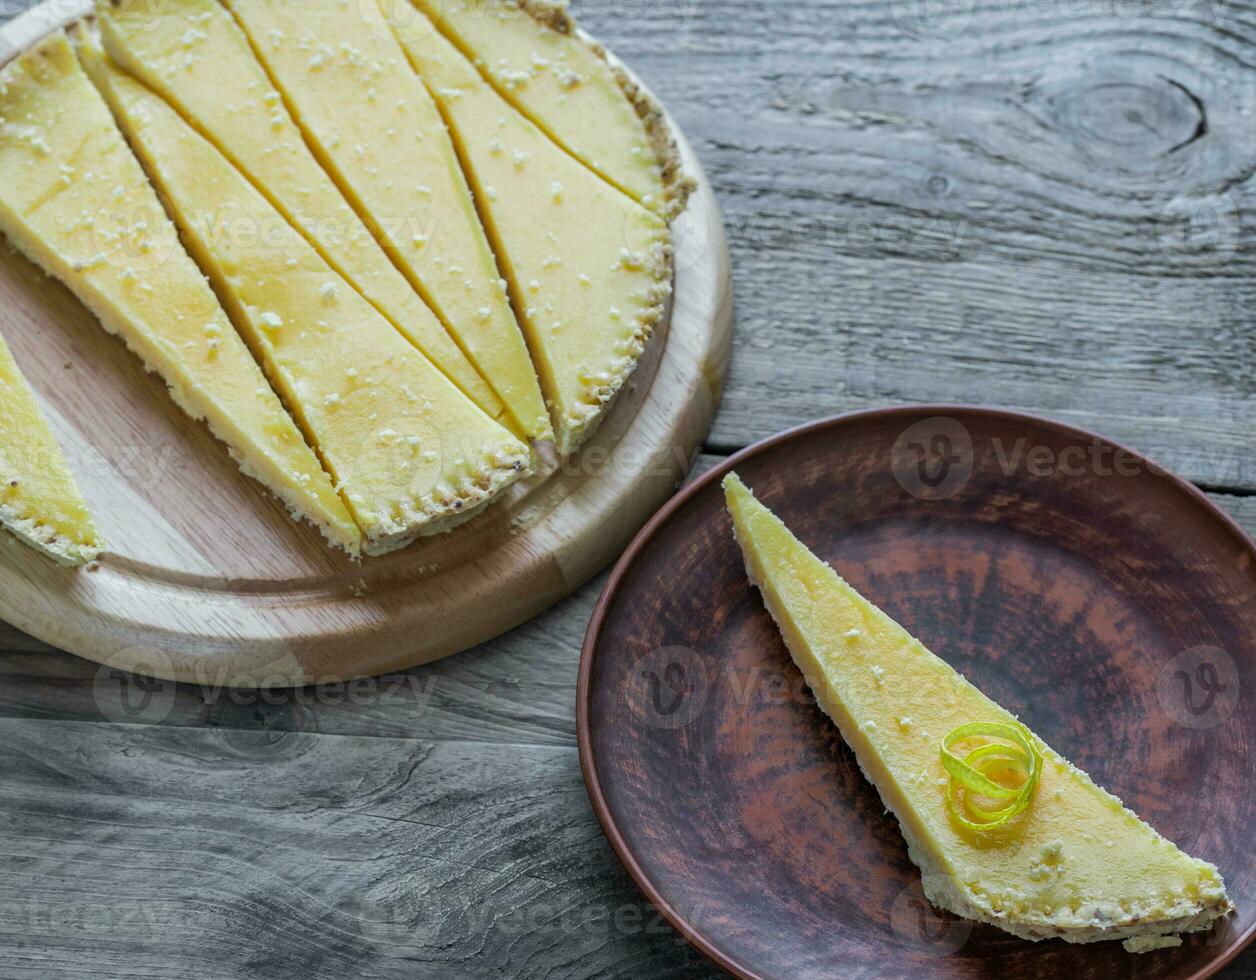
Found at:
[1041, 204]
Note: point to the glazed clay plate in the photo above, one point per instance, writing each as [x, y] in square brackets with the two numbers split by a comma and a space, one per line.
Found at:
[1107, 603]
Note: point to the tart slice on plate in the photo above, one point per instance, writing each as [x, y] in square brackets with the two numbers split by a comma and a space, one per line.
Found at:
[40, 502]
[1005, 830]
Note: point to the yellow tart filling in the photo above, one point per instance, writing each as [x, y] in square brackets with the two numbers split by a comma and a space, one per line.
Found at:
[196, 57]
[536, 59]
[588, 297]
[376, 130]
[74, 199]
[409, 452]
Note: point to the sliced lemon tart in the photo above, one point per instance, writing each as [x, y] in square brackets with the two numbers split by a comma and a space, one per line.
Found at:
[409, 452]
[40, 502]
[1005, 830]
[536, 58]
[195, 56]
[589, 267]
[74, 199]
[375, 128]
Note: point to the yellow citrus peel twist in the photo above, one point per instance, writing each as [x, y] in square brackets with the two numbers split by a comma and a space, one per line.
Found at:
[970, 775]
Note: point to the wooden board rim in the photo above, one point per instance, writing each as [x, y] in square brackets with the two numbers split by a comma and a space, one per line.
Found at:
[127, 641]
[690, 931]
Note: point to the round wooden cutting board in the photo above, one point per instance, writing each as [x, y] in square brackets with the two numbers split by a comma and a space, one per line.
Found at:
[1108, 604]
[208, 580]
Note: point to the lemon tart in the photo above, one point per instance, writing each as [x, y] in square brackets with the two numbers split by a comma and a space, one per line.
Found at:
[195, 56]
[410, 453]
[75, 201]
[1066, 860]
[375, 128]
[589, 267]
[40, 503]
[533, 54]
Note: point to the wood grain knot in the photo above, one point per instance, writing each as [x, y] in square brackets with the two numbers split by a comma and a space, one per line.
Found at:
[1131, 118]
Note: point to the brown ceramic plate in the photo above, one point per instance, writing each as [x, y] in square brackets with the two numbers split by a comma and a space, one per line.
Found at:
[1106, 602]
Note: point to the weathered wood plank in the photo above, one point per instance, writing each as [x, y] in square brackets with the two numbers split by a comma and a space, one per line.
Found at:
[135, 851]
[517, 689]
[1043, 206]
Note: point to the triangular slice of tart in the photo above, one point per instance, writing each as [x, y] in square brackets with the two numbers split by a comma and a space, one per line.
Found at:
[589, 267]
[534, 56]
[40, 502]
[1068, 861]
[410, 453]
[75, 201]
[374, 127]
[195, 56]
